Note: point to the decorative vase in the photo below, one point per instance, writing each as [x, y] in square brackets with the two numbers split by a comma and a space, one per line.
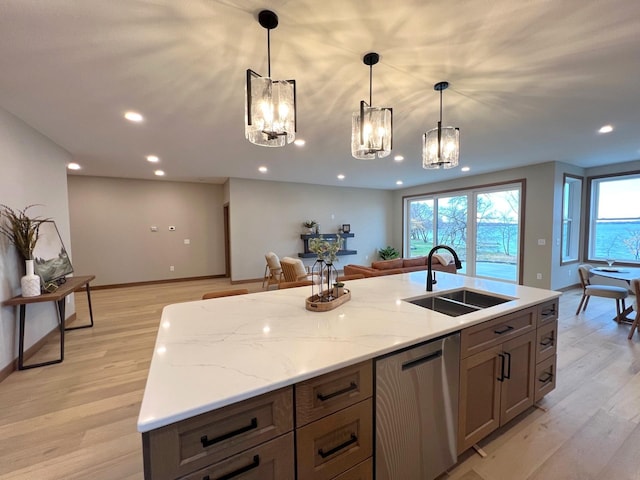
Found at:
[30, 282]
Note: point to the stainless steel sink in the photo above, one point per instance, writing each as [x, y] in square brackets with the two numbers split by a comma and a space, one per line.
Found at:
[457, 302]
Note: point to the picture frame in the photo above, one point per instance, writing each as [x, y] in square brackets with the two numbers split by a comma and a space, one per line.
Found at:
[346, 228]
[51, 261]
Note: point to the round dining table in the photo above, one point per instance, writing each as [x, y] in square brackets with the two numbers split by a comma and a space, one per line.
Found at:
[619, 273]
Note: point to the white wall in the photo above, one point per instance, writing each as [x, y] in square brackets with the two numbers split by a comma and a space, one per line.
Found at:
[539, 205]
[267, 216]
[32, 171]
[111, 221]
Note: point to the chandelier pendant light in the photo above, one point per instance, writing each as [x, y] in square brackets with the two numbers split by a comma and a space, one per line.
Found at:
[371, 127]
[441, 145]
[270, 114]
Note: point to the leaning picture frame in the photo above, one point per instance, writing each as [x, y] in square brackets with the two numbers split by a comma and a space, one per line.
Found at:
[51, 261]
[346, 228]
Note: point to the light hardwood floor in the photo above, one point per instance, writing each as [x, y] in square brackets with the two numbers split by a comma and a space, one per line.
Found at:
[77, 419]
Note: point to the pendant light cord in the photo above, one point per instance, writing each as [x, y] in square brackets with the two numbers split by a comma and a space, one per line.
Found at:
[269, 58]
[370, 84]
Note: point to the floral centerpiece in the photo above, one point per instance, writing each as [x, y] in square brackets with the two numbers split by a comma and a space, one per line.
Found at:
[327, 251]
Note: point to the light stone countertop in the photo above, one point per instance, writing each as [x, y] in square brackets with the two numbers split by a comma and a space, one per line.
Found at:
[212, 353]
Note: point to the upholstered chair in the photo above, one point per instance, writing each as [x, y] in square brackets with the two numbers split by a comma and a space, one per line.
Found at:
[272, 271]
[607, 291]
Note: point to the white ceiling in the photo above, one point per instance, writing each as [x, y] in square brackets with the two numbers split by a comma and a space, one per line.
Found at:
[531, 81]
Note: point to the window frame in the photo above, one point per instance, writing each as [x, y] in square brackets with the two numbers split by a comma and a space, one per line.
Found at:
[576, 203]
[591, 205]
[471, 192]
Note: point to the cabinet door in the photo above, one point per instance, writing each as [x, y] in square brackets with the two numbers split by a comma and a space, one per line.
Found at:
[517, 388]
[479, 407]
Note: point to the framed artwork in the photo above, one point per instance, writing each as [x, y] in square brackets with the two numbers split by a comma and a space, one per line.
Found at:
[346, 228]
[51, 261]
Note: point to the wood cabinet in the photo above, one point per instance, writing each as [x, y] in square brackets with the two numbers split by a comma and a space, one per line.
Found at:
[334, 425]
[255, 440]
[506, 365]
[205, 440]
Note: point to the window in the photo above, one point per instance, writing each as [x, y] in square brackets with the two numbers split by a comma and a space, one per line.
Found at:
[571, 208]
[614, 218]
[482, 225]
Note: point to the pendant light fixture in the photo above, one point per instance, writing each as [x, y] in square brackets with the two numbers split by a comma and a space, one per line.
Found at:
[441, 145]
[371, 127]
[270, 115]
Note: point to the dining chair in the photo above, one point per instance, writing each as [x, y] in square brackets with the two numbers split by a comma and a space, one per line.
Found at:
[225, 293]
[293, 270]
[635, 286]
[272, 270]
[606, 291]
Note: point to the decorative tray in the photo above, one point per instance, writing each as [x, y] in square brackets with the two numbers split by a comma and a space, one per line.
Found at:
[313, 303]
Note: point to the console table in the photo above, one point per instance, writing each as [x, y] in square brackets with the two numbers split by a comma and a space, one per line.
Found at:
[326, 236]
[71, 285]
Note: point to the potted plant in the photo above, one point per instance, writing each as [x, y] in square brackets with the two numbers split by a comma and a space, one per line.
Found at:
[22, 232]
[338, 289]
[388, 253]
[310, 225]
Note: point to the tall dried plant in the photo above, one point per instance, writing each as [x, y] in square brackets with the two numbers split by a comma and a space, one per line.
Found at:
[20, 229]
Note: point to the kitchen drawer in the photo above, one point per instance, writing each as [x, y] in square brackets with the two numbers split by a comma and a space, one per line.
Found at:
[547, 312]
[183, 447]
[362, 471]
[545, 379]
[493, 332]
[333, 444]
[324, 395]
[547, 340]
[272, 460]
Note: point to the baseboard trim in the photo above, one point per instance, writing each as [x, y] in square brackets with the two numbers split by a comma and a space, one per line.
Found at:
[566, 289]
[155, 282]
[31, 351]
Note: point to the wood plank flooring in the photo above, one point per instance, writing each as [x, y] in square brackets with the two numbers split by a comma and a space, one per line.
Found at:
[77, 419]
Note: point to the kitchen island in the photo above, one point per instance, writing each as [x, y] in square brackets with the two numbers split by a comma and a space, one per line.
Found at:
[218, 353]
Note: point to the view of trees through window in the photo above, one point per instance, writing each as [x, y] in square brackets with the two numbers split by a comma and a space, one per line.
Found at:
[488, 247]
[614, 223]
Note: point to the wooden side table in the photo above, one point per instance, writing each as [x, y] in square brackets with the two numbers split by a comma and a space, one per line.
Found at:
[71, 285]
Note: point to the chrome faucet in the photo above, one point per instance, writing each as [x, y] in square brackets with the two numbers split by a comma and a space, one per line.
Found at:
[430, 280]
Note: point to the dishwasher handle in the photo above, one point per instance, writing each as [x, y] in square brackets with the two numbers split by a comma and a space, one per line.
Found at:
[421, 360]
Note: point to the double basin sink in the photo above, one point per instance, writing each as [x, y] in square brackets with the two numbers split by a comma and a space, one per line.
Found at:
[458, 302]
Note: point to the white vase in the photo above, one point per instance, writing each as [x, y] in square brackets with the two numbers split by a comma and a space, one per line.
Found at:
[30, 282]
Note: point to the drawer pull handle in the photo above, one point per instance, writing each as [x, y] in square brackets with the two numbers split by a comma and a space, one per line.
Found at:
[506, 329]
[547, 341]
[546, 313]
[328, 453]
[207, 443]
[240, 471]
[352, 386]
[421, 360]
[547, 378]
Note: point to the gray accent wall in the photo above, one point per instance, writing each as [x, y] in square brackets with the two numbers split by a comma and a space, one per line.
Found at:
[111, 226]
[267, 216]
[33, 171]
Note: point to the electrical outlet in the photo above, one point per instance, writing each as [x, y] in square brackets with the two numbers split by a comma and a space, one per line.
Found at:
[539, 276]
[187, 241]
[542, 242]
[172, 268]
[154, 228]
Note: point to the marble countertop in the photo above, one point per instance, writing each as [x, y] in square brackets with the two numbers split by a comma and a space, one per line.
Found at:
[212, 353]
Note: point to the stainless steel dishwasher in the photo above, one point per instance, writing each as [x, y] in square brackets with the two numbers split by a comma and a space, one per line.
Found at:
[417, 410]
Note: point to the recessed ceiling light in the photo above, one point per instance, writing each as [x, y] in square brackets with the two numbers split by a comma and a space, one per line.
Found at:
[73, 166]
[133, 117]
[263, 169]
[152, 159]
[299, 142]
[606, 129]
[159, 173]
[398, 158]
[341, 177]
[465, 169]
[399, 182]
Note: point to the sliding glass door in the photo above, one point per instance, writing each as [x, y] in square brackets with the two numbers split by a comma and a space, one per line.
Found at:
[488, 247]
